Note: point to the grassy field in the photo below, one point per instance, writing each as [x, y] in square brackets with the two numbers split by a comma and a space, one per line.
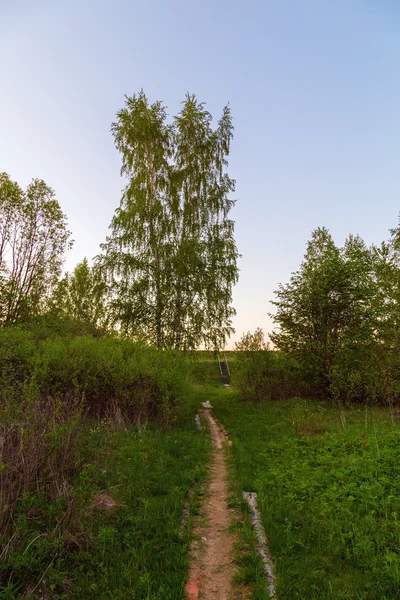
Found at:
[328, 484]
[133, 550]
[140, 553]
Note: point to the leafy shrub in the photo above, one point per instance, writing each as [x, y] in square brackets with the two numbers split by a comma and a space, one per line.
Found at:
[262, 374]
[51, 387]
[16, 360]
[109, 374]
[365, 374]
[265, 374]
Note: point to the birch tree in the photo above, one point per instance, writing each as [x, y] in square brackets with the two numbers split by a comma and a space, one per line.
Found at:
[136, 253]
[171, 257]
[205, 256]
[81, 296]
[33, 240]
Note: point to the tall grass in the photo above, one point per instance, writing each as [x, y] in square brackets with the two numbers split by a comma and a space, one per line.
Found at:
[38, 451]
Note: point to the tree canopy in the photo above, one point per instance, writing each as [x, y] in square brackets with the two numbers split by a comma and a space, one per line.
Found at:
[170, 258]
[33, 240]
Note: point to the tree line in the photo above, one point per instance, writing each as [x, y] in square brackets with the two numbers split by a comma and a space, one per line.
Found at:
[337, 323]
[167, 267]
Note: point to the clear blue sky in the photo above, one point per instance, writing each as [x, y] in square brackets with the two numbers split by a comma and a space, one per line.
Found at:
[314, 87]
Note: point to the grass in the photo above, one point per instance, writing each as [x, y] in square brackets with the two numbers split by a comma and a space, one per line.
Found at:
[328, 485]
[98, 452]
[133, 550]
[250, 573]
[140, 553]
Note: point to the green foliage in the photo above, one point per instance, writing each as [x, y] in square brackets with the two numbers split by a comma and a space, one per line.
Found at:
[33, 240]
[80, 297]
[251, 342]
[260, 373]
[17, 357]
[109, 374]
[338, 319]
[171, 257]
[266, 375]
[131, 549]
[365, 374]
[90, 507]
[327, 483]
[327, 305]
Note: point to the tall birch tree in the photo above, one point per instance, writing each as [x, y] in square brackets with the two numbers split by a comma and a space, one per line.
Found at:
[136, 251]
[171, 254]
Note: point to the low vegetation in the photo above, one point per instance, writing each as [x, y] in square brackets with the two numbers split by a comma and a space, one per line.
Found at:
[112, 530]
[93, 478]
[327, 485]
[108, 376]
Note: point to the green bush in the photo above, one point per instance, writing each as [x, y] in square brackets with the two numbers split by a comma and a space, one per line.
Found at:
[360, 371]
[365, 374]
[109, 374]
[266, 374]
[17, 356]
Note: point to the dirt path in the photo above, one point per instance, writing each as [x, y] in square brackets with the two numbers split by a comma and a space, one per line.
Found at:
[211, 569]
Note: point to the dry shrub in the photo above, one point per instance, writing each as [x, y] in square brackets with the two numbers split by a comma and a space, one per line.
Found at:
[312, 428]
[38, 451]
[104, 502]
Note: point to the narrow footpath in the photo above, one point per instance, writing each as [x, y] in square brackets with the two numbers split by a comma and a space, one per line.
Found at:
[211, 554]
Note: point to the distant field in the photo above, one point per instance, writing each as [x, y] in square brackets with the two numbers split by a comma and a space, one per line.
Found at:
[328, 484]
[204, 366]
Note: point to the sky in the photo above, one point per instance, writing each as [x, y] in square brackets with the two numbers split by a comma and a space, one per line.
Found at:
[314, 89]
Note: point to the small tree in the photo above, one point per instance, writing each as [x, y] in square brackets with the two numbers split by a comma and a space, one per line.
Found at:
[387, 272]
[81, 297]
[262, 374]
[328, 305]
[33, 240]
[251, 342]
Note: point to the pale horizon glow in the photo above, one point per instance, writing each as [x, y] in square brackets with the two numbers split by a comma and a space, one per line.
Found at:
[314, 89]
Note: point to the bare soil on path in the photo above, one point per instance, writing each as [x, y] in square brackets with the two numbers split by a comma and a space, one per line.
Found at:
[211, 554]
